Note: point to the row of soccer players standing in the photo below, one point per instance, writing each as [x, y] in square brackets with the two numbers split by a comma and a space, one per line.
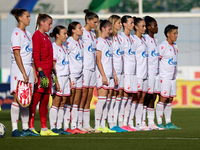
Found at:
[123, 67]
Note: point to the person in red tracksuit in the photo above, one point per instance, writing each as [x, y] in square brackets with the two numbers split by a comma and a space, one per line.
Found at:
[43, 60]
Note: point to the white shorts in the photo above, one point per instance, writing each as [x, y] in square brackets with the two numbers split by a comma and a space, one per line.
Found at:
[64, 86]
[15, 75]
[120, 85]
[142, 85]
[76, 82]
[110, 83]
[168, 88]
[130, 83]
[89, 78]
[153, 84]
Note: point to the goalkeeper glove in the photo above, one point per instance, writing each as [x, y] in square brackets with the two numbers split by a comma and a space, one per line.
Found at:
[54, 77]
[44, 80]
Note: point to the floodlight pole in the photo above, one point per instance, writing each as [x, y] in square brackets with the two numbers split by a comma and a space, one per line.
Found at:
[65, 7]
[140, 7]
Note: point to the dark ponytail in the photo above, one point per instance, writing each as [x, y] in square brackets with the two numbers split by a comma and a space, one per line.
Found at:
[89, 15]
[41, 17]
[148, 20]
[72, 26]
[56, 30]
[18, 13]
[136, 21]
[125, 19]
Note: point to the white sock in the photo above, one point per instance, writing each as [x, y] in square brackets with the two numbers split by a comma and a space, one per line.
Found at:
[14, 115]
[116, 110]
[66, 119]
[60, 117]
[168, 112]
[74, 115]
[111, 112]
[80, 117]
[99, 110]
[150, 116]
[144, 115]
[86, 118]
[127, 110]
[159, 112]
[139, 115]
[24, 113]
[105, 113]
[131, 116]
[53, 113]
[121, 111]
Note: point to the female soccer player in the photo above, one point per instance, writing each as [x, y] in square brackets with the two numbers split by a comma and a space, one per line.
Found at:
[62, 87]
[75, 49]
[43, 60]
[89, 69]
[105, 72]
[168, 70]
[153, 72]
[118, 52]
[21, 69]
[142, 68]
[130, 78]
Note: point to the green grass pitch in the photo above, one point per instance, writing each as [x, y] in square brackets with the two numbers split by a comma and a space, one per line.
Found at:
[188, 138]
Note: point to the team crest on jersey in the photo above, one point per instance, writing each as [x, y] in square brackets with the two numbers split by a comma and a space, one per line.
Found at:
[67, 43]
[151, 41]
[96, 42]
[94, 37]
[139, 85]
[15, 77]
[128, 87]
[162, 47]
[59, 50]
[88, 36]
[16, 33]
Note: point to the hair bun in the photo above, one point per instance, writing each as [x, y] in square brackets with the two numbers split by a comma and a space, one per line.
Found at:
[86, 11]
[14, 11]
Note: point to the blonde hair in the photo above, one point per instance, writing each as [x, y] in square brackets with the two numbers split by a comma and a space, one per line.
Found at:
[102, 24]
[113, 19]
[41, 17]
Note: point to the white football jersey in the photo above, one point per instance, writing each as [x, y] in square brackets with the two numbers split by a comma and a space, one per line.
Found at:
[130, 62]
[21, 40]
[153, 54]
[75, 50]
[60, 55]
[141, 56]
[89, 53]
[168, 60]
[105, 46]
[118, 53]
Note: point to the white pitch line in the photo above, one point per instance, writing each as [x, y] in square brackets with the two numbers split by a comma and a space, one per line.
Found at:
[102, 138]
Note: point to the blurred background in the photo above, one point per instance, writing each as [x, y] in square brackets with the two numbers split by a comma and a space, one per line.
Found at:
[185, 14]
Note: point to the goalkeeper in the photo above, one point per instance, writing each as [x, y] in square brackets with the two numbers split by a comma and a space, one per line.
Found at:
[43, 60]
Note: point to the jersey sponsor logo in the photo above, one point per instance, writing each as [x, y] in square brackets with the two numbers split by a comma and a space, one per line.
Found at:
[171, 62]
[65, 62]
[78, 57]
[118, 52]
[28, 49]
[90, 49]
[131, 52]
[154, 54]
[144, 54]
[108, 54]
